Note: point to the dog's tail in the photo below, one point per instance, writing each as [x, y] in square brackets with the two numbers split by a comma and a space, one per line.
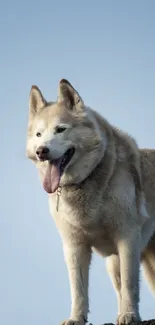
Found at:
[148, 262]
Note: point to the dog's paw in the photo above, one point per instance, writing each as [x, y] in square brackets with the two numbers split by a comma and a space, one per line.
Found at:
[72, 322]
[128, 318]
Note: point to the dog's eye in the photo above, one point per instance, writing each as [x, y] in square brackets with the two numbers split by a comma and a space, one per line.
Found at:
[38, 134]
[60, 129]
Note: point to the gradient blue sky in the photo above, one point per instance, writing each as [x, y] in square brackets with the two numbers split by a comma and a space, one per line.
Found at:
[107, 51]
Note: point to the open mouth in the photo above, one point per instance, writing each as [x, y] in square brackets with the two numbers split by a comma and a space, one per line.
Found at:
[65, 159]
[55, 170]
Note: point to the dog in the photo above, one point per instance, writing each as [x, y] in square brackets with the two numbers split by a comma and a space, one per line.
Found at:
[101, 192]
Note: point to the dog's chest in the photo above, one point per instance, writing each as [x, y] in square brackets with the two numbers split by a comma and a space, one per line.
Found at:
[81, 211]
[84, 220]
[74, 207]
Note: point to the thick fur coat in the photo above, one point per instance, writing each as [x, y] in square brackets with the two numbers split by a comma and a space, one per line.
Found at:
[101, 190]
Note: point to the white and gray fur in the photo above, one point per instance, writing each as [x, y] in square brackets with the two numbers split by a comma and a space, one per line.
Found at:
[102, 204]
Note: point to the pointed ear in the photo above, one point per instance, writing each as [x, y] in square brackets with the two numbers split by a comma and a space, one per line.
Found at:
[36, 100]
[67, 93]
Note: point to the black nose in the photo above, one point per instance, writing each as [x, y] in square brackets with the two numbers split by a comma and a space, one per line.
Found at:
[42, 153]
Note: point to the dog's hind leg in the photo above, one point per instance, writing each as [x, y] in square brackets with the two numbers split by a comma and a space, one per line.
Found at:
[113, 268]
[148, 262]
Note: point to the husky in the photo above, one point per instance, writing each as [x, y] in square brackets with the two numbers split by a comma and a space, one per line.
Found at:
[101, 193]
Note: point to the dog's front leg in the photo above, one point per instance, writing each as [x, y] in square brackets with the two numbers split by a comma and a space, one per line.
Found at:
[78, 258]
[129, 254]
[113, 268]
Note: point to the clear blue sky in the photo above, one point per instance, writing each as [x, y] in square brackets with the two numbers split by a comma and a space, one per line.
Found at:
[107, 50]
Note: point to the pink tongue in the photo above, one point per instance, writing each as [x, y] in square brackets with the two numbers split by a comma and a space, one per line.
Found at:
[52, 178]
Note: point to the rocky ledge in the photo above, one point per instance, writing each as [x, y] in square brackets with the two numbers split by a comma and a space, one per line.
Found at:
[145, 322]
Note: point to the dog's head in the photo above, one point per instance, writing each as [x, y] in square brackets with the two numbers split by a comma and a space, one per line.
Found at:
[63, 137]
